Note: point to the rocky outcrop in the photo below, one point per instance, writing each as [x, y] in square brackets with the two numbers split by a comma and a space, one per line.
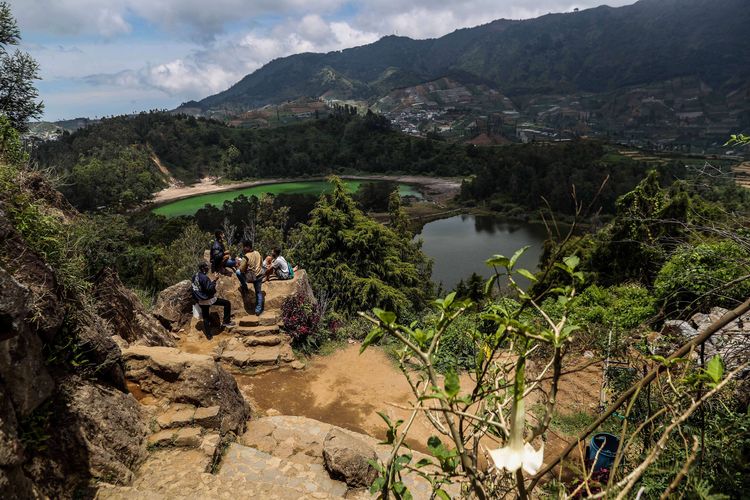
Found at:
[125, 313]
[174, 306]
[732, 342]
[195, 379]
[347, 459]
[65, 417]
[97, 433]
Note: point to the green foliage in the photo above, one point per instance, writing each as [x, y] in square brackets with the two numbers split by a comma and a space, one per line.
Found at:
[526, 174]
[181, 258]
[649, 223]
[112, 177]
[18, 70]
[698, 277]
[11, 150]
[364, 262]
[460, 343]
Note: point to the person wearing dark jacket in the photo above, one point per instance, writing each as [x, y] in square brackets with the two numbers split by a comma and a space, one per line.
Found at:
[204, 293]
[220, 257]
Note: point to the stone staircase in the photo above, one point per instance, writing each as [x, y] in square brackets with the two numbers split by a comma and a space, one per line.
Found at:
[256, 344]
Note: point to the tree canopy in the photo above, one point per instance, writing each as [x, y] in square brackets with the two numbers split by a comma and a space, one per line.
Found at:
[18, 70]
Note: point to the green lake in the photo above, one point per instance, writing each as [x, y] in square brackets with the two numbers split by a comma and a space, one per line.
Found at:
[188, 206]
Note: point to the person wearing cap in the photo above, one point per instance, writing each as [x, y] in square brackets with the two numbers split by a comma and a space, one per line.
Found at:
[204, 293]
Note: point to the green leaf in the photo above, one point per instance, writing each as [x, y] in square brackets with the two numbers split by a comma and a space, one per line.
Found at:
[449, 300]
[452, 384]
[527, 274]
[374, 336]
[423, 463]
[715, 369]
[387, 317]
[498, 261]
[516, 255]
[442, 495]
[377, 485]
[572, 262]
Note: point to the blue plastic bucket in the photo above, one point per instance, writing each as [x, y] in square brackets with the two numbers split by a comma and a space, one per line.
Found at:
[608, 445]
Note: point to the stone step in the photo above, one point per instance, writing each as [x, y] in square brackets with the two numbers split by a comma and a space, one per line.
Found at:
[256, 331]
[267, 340]
[268, 318]
[189, 437]
[259, 356]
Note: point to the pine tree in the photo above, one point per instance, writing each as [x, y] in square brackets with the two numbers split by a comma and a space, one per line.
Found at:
[361, 262]
[17, 74]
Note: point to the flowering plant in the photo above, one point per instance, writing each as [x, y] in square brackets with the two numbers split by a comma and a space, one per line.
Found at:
[301, 317]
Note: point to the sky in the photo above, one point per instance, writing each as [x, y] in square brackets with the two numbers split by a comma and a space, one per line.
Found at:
[108, 57]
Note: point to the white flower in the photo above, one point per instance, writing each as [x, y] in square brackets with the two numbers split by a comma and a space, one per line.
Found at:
[512, 458]
[517, 454]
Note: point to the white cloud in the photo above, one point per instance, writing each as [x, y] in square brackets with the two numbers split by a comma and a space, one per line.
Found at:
[223, 63]
[188, 49]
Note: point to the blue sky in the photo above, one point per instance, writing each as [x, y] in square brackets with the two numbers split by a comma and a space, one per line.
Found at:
[104, 57]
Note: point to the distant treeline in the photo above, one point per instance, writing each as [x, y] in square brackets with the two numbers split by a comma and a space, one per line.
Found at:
[110, 163]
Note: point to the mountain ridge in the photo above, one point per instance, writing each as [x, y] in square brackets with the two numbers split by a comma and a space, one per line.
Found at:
[594, 50]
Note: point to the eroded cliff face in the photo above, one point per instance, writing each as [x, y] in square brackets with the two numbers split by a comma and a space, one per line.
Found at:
[66, 416]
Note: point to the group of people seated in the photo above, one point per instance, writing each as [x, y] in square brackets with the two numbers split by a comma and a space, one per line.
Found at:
[250, 267]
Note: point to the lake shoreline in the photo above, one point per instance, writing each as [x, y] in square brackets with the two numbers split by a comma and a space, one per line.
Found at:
[436, 189]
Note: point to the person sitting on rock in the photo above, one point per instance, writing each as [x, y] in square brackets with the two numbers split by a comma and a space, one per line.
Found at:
[276, 266]
[204, 293]
[251, 271]
[220, 257]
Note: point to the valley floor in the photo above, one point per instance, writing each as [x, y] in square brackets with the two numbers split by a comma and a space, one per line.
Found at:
[438, 190]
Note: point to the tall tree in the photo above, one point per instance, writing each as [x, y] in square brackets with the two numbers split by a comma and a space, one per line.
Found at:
[18, 70]
[362, 262]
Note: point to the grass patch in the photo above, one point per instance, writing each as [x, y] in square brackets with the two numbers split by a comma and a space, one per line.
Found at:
[571, 424]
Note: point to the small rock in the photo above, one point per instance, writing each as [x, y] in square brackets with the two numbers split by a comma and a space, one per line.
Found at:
[297, 365]
[162, 438]
[210, 443]
[208, 417]
[588, 354]
[176, 416]
[346, 458]
[188, 437]
[272, 412]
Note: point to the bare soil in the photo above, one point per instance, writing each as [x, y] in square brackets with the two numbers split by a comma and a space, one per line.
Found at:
[348, 389]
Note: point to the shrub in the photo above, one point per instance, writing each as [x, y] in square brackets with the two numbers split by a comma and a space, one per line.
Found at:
[695, 277]
[301, 317]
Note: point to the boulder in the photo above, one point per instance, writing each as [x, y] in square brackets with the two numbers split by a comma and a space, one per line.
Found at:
[346, 458]
[30, 270]
[275, 291]
[125, 312]
[97, 433]
[23, 371]
[174, 306]
[679, 329]
[94, 341]
[195, 379]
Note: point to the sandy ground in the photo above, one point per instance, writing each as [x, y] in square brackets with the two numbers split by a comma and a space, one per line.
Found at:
[347, 389]
[434, 189]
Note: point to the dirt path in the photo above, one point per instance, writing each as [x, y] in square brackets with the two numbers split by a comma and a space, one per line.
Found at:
[344, 389]
[347, 389]
[434, 188]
